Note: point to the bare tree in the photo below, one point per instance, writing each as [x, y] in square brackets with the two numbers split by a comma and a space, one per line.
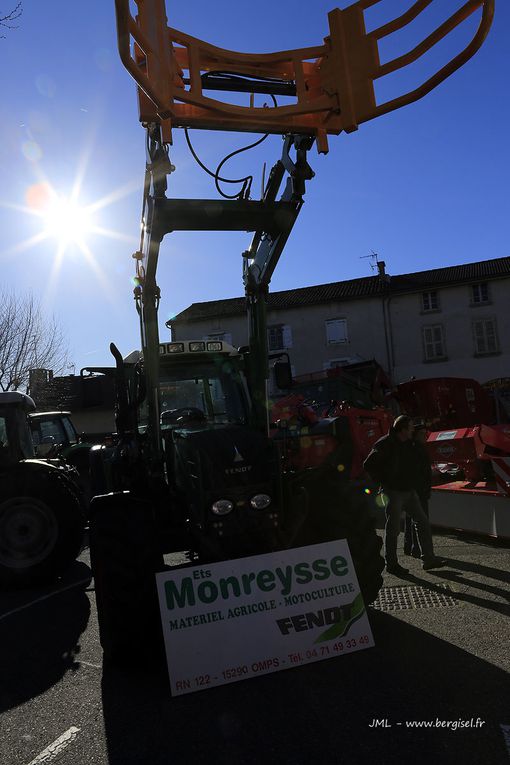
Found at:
[6, 21]
[28, 340]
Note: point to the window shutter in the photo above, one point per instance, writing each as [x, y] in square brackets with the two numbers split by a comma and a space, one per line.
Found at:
[287, 336]
[336, 331]
[433, 341]
[490, 330]
[479, 337]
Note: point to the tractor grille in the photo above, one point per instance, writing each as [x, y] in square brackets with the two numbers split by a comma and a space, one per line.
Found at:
[400, 598]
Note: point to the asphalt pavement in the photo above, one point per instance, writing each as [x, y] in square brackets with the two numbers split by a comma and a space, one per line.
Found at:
[434, 689]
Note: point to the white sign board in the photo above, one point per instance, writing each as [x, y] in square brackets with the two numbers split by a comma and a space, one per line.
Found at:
[236, 619]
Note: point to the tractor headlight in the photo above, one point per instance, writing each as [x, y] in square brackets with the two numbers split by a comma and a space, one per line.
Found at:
[260, 501]
[222, 507]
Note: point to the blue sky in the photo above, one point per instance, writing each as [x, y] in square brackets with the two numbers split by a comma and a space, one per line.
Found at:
[424, 187]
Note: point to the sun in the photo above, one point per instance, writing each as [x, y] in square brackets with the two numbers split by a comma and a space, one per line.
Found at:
[71, 224]
[67, 221]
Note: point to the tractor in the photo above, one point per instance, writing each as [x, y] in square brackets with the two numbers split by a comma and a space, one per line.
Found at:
[42, 517]
[194, 467]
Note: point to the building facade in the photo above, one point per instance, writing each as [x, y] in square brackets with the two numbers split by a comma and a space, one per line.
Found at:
[445, 322]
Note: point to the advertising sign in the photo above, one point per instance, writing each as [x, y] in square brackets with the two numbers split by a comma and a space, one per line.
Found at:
[236, 619]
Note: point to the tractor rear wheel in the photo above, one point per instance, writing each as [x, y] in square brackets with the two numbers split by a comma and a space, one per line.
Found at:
[125, 558]
[41, 530]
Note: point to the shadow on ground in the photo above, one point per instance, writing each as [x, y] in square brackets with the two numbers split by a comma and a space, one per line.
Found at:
[39, 635]
[319, 714]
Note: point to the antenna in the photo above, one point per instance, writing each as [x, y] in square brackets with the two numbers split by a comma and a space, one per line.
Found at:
[374, 265]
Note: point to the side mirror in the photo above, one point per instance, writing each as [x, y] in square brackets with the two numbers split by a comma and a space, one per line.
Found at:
[282, 375]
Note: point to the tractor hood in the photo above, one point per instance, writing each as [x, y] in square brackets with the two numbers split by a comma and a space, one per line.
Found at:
[224, 458]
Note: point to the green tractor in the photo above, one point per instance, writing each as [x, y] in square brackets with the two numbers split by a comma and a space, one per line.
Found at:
[217, 489]
[220, 489]
[194, 467]
[42, 517]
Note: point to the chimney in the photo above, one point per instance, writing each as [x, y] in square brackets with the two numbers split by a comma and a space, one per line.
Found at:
[383, 276]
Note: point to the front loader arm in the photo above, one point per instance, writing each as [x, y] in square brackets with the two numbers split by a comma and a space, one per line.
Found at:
[270, 219]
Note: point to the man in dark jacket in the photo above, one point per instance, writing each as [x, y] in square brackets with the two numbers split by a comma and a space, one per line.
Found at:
[391, 463]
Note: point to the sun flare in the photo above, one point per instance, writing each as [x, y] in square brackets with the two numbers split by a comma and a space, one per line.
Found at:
[71, 224]
[67, 221]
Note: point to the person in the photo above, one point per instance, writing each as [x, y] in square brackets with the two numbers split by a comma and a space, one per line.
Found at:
[422, 485]
[391, 463]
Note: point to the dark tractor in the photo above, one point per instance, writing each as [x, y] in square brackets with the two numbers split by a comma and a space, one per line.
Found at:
[55, 437]
[41, 510]
[217, 492]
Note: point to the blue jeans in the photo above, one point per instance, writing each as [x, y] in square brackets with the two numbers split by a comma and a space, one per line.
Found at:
[411, 543]
[397, 502]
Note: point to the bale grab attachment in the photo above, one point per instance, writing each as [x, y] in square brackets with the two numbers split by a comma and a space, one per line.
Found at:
[332, 84]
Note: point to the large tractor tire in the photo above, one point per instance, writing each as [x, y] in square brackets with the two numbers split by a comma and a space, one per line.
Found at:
[41, 525]
[342, 511]
[125, 557]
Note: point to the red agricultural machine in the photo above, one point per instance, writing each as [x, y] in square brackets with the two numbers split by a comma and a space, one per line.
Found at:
[333, 416]
[469, 446]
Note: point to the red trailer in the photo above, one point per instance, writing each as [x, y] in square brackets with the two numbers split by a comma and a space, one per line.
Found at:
[446, 402]
[478, 459]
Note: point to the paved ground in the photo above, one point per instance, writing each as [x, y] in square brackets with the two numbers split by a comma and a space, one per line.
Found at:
[431, 663]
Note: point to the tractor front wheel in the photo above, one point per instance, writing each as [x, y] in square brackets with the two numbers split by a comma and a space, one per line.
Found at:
[341, 511]
[125, 558]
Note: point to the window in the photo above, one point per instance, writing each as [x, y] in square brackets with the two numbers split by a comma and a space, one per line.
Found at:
[334, 363]
[430, 300]
[216, 390]
[279, 336]
[273, 390]
[433, 342]
[52, 429]
[226, 337]
[485, 336]
[4, 441]
[480, 293]
[336, 331]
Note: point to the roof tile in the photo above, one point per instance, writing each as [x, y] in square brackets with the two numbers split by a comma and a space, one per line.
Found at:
[353, 289]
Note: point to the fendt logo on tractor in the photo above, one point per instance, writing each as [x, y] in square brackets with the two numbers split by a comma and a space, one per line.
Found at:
[240, 469]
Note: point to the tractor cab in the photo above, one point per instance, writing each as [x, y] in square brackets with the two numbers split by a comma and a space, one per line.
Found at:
[15, 438]
[51, 432]
[201, 386]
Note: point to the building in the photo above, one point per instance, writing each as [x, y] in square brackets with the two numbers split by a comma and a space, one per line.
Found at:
[89, 399]
[445, 322]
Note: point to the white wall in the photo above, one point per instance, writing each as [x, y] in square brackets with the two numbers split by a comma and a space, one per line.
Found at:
[368, 337]
[456, 315]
